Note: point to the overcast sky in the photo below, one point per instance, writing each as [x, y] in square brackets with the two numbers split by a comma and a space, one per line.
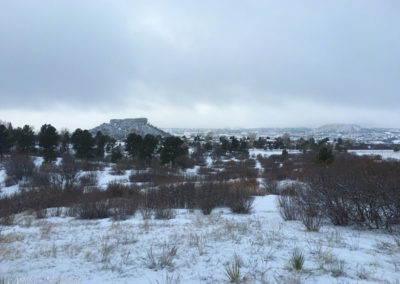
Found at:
[200, 63]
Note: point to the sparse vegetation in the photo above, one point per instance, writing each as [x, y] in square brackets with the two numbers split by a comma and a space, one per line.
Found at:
[232, 272]
[297, 259]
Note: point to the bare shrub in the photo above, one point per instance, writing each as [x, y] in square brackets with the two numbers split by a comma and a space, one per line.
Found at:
[198, 241]
[288, 208]
[237, 170]
[118, 189]
[157, 176]
[141, 176]
[90, 165]
[164, 213]
[309, 209]
[207, 197]
[19, 166]
[116, 170]
[38, 199]
[206, 171]
[240, 200]
[41, 214]
[122, 208]
[356, 190]
[146, 213]
[106, 249]
[7, 220]
[271, 187]
[89, 179]
[122, 166]
[163, 259]
[93, 206]
[337, 268]
[117, 201]
[169, 279]
[69, 168]
[311, 222]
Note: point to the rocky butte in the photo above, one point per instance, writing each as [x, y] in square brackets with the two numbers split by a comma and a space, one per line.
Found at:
[121, 128]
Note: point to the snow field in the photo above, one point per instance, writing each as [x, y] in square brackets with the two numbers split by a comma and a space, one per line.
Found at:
[193, 248]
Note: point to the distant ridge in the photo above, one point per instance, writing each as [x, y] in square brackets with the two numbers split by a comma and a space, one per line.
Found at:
[334, 130]
[121, 128]
[339, 128]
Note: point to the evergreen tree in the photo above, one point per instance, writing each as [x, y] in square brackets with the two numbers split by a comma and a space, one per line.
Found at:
[234, 144]
[65, 140]
[110, 143]
[244, 146]
[83, 143]
[5, 140]
[260, 143]
[285, 154]
[133, 143]
[116, 154]
[225, 145]
[25, 139]
[325, 154]
[171, 149]
[339, 145]
[278, 143]
[48, 140]
[208, 146]
[101, 141]
[148, 147]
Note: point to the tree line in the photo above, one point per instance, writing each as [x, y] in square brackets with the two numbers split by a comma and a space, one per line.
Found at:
[50, 143]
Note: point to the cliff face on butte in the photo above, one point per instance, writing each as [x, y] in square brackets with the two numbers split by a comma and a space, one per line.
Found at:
[121, 128]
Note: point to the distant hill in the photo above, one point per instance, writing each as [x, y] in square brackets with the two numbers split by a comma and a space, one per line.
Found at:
[339, 128]
[121, 128]
[336, 130]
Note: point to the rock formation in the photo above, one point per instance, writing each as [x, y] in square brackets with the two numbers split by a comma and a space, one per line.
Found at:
[121, 128]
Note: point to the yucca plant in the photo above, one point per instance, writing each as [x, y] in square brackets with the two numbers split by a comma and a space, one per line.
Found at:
[297, 260]
[233, 272]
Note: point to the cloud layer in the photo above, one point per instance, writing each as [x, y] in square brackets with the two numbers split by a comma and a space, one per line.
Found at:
[183, 63]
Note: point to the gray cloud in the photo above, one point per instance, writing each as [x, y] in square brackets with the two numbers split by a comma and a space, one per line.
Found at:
[114, 55]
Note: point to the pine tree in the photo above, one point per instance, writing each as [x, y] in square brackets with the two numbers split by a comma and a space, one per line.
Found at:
[234, 144]
[5, 141]
[48, 140]
[325, 154]
[25, 139]
[116, 154]
[133, 143]
[171, 149]
[83, 143]
[148, 147]
[100, 144]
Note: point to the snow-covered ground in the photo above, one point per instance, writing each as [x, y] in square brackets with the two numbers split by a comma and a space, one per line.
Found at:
[193, 248]
[105, 177]
[385, 154]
